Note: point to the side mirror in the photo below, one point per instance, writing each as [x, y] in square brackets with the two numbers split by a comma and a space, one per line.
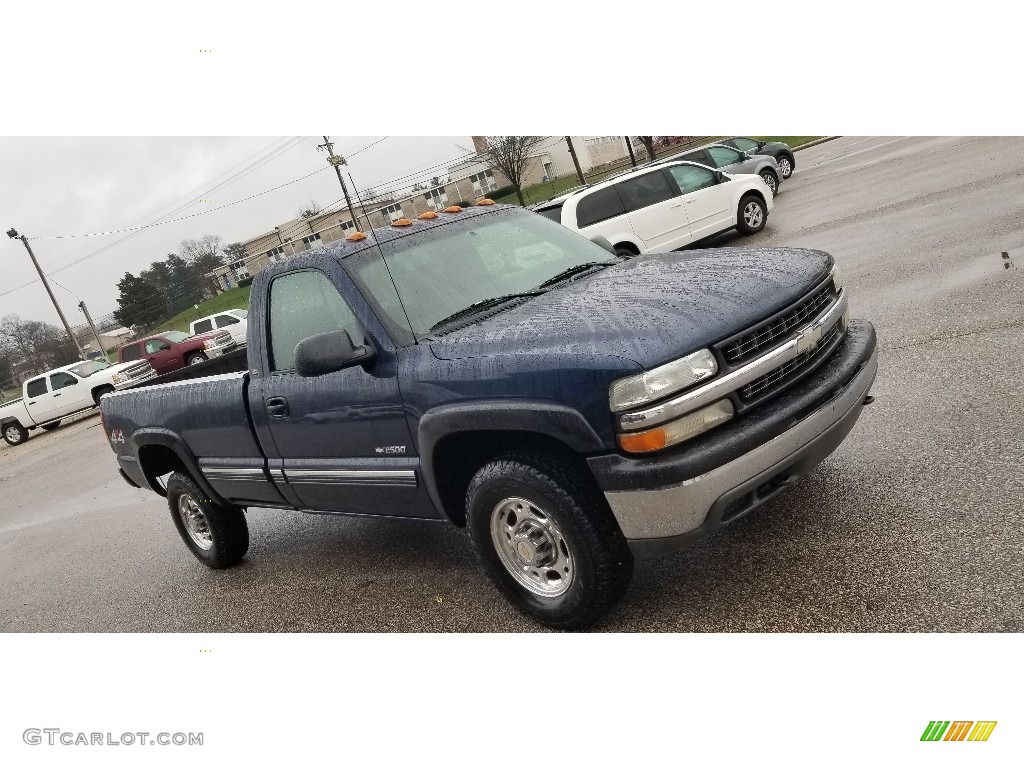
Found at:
[720, 177]
[329, 352]
[604, 242]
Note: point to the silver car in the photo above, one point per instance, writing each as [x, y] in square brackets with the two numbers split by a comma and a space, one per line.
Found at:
[731, 160]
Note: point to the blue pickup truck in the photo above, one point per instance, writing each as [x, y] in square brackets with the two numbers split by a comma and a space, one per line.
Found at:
[489, 368]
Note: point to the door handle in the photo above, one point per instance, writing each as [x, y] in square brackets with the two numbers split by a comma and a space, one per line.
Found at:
[57, 394]
[676, 205]
[277, 407]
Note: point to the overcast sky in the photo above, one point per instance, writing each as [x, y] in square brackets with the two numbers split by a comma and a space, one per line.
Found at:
[74, 186]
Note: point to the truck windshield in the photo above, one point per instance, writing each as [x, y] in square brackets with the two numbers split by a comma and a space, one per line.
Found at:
[443, 270]
[87, 369]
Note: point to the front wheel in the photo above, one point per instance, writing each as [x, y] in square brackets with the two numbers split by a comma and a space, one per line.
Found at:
[196, 359]
[15, 434]
[547, 539]
[785, 166]
[100, 392]
[218, 536]
[751, 215]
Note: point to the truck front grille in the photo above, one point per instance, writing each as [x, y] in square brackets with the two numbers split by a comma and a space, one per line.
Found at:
[788, 370]
[772, 332]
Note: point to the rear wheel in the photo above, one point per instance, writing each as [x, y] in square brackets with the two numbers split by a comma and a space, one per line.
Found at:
[771, 180]
[751, 215]
[100, 392]
[625, 251]
[547, 539]
[51, 425]
[15, 434]
[196, 358]
[217, 535]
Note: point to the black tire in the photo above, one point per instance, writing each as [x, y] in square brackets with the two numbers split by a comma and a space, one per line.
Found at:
[195, 358]
[224, 528]
[14, 433]
[787, 164]
[771, 180]
[100, 392]
[750, 227]
[586, 540]
[625, 251]
[51, 425]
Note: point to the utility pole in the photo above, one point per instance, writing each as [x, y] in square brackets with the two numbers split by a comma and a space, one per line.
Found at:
[337, 161]
[629, 148]
[13, 234]
[88, 318]
[572, 153]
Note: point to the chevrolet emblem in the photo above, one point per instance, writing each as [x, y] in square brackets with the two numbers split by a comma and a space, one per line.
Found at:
[808, 339]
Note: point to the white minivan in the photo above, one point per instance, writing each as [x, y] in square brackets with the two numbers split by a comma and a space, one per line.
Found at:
[232, 320]
[665, 207]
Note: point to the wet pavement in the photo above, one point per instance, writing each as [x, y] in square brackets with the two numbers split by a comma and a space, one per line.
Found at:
[914, 524]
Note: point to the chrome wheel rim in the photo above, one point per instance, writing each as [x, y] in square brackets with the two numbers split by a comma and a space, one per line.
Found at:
[196, 361]
[770, 181]
[752, 214]
[532, 547]
[196, 524]
[12, 435]
[785, 167]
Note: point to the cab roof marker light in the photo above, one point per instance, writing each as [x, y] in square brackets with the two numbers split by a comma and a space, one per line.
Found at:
[401, 223]
[428, 215]
[485, 201]
[452, 209]
[355, 236]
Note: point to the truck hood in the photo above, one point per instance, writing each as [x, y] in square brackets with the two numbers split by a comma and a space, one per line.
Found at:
[650, 309]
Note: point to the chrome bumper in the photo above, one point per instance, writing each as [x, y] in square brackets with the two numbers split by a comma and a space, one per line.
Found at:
[730, 490]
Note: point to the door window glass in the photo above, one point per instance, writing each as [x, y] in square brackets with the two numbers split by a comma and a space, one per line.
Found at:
[156, 345]
[697, 157]
[204, 326]
[690, 178]
[724, 156]
[649, 189]
[130, 353]
[61, 380]
[745, 145]
[304, 304]
[598, 206]
[36, 388]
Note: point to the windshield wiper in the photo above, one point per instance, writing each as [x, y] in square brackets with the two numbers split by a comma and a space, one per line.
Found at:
[483, 304]
[578, 269]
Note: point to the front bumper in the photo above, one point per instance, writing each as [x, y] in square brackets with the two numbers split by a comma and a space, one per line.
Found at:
[664, 503]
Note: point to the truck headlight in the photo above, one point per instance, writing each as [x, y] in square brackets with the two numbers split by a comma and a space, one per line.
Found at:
[117, 378]
[674, 432]
[658, 382]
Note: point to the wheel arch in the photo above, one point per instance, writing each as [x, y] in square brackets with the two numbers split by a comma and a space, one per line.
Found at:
[455, 441]
[160, 452]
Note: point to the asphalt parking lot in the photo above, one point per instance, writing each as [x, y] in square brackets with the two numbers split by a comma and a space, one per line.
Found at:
[914, 524]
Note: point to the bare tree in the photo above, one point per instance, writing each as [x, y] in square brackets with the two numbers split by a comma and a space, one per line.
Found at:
[202, 255]
[311, 210]
[648, 142]
[42, 345]
[511, 155]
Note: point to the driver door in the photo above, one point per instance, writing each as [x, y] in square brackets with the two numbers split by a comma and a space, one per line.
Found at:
[340, 441]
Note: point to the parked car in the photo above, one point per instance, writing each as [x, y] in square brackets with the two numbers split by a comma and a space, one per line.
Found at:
[173, 350]
[730, 160]
[552, 207]
[232, 320]
[781, 151]
[667, 206]
[59, 393]
[492, 369]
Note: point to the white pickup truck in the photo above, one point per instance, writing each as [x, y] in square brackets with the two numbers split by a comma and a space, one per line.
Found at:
[59, 393]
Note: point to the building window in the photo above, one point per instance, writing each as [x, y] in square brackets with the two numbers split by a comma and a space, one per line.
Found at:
[312, 241]
[437, 198]
[240, 270]
[347, 226]
[393, 212]
[276, 254]
[483, 182]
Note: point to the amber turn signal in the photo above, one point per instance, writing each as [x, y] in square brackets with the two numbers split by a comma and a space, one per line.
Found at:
[644, 442]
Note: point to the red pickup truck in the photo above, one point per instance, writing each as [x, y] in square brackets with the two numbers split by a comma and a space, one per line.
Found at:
[172, 350]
